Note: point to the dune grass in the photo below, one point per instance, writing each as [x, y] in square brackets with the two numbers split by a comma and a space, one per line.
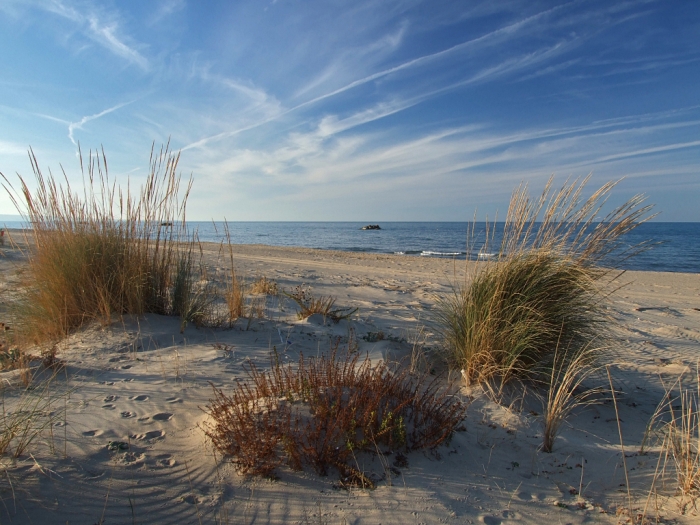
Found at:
[105, 251]
[675, 428]
[565, 391]
[545, 288]
[28, 415]
[682, 445]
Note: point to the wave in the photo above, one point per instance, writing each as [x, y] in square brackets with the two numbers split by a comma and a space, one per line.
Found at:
[427, 253]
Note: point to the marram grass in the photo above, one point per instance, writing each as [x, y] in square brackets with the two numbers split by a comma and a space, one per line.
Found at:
[544, 291]
[105, 251]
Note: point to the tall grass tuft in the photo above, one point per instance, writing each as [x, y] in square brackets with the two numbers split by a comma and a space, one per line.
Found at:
[565, 391]
[675, 425]
[103, 250]
[543, 290]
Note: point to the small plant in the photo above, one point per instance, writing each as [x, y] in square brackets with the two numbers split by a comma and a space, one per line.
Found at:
[309, 305]
[324, 412]
[264, 286]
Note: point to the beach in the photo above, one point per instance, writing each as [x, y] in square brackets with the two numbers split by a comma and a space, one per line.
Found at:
[142, 382]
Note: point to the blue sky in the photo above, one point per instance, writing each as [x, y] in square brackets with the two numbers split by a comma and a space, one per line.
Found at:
[359, 110]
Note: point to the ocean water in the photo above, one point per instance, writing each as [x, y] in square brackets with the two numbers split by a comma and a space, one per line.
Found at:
[676, 245]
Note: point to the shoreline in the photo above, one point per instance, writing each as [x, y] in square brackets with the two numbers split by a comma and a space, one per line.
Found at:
[260, 250]
[245, 247]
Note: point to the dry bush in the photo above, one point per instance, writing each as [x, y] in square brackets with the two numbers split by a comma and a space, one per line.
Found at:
[309, 305]
[264, 286]
[103, 251]
[545, 288]
[325, 411]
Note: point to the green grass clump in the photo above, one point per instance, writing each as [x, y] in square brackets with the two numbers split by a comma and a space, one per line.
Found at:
[104, 251]
[545, 289]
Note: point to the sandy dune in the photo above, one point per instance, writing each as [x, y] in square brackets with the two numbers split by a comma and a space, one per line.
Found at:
[140, 388]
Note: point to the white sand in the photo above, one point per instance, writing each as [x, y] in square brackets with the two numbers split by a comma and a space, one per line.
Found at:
[141, 382]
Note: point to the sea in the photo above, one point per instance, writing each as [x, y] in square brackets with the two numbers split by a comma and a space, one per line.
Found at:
[674, 246]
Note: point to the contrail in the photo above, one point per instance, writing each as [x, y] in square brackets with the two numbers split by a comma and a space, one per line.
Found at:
[79, 125]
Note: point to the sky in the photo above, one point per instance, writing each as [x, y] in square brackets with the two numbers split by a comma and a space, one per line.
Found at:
[359, 110]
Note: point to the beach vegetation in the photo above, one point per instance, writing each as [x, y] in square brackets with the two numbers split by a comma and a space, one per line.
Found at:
[309, 305]
[544, 291]
[27, 415]
[536, 312]
[675, 429]
[327, 410]
[264, 286]
[103, 250]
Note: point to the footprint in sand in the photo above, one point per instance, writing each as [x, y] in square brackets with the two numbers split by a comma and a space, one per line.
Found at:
[192, 499]
[144, 418]
[163, 416]
[127, 414]
[173, 400]
[165, 461]
[133, 459]
[507, 516]
[93, 433]
[142, 397]
[109, 406]
[524, 495]
[126, 367]
[153, 434]
[109, 399]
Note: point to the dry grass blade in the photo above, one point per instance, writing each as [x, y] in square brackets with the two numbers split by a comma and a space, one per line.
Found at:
[326, 410]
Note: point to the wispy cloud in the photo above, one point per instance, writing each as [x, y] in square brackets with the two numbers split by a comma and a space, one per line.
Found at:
[488, 39]
[106, 35]
[93, 22]
[649, 151]
[12, 148]
[72, 126]
[165, 9]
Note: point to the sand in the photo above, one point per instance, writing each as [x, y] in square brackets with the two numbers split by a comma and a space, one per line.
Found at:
[141, 382]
